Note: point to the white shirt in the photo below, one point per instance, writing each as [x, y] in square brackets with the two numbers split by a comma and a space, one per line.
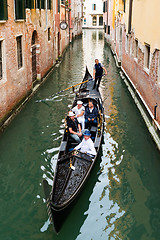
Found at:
[78, 111]
[86, 146]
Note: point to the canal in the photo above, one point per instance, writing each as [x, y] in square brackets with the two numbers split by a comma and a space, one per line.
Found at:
[122, 197]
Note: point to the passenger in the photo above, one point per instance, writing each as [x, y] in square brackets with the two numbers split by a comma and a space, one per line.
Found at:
[91, 114]
[74, 127]
[87, 145]
[79, 112]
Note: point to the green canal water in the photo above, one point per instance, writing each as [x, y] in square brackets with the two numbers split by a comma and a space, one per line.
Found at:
[121, 200]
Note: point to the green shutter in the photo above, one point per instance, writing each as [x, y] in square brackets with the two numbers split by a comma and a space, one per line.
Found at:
[42, 4]
[20, 9]
[3, 10]
[49, 4]
[58, 5]
[30, 4]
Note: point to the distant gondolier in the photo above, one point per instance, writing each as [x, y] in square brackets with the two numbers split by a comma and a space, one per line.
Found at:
[97, 73]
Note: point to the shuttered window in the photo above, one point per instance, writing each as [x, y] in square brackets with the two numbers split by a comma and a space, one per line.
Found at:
[30, 4]
[3, 10]
[49, 4]
[93, 6]
[1, 70]
[20, 9]
[59, 5]
[104, 9]
[19, 51]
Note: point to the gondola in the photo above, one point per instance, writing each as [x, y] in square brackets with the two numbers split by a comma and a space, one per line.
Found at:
[73, 167]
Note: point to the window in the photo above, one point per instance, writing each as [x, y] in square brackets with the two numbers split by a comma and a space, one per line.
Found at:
[109, 30]
[49, 34]
[49, 4]
[100, 21]
[29, 4]
[104, 5]
[127, 43]
[93, 6]
[136, 49]
[147, 56]
[40, 4]
[124, 6]
[20, 9]
[94, 21]
[63, 2]
[1, 70]
[58, 5]
[19, 51]
[3, 10]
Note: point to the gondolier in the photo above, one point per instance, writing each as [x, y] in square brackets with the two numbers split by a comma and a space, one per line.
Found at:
[97, 73]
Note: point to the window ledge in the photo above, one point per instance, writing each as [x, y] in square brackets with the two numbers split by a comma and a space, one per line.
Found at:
[136, 60]
[19, 20]
[3, 80]
[3, 21]
[21, 69]
[146, 70]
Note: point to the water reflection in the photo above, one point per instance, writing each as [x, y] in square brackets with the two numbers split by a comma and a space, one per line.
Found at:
[122, 197]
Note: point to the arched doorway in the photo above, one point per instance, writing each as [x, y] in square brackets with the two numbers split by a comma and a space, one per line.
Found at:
[94, 20]
[100, 21]
[34, 58]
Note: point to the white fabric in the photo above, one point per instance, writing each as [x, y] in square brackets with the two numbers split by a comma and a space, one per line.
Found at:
[91, 109]
[86, 146]
[77, 112]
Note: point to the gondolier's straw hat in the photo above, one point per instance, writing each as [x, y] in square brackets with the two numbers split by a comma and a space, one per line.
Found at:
[79, 102]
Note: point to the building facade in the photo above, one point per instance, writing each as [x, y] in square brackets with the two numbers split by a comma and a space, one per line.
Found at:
[93, 14]
[76, 17]
[31, 41]
[131, 28]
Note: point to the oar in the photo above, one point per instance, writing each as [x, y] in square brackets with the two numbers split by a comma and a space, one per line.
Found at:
[74, 85]
[78, 84]
[71, 87]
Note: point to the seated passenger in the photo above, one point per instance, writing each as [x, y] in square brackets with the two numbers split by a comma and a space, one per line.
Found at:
[74, 127]
[91, 114]
[87, 145]
[79, 112]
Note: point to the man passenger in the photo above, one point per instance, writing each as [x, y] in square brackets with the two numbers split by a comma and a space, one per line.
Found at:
[79, 112]
[87, 145]
[74, 127]
[91, 114]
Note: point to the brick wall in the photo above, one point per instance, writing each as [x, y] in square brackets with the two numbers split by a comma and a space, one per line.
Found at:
[146, 81]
